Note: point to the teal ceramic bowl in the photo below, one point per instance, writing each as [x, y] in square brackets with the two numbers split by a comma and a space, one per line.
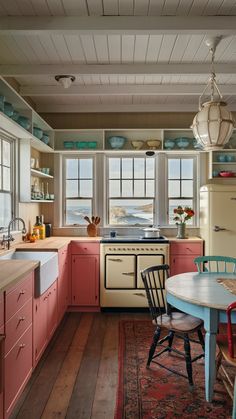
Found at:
[92, 144]
[15, 116]
[45, 138]
[8, 109]
[68, 145]
[169, 144]
[117, 142]
[182, 142]
[81, 145]
[2, 100]
[230, 157]
[23, 121]
[38, 132]
[221, 157]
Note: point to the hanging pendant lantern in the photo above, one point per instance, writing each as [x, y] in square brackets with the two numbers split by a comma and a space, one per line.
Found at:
[213, 124]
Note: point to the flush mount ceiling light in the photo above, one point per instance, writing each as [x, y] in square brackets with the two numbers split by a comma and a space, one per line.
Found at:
[213, 124]
[65, 80]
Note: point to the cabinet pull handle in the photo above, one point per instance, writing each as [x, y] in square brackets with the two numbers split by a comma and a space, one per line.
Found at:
[139, 294]
[21, 319]
[115, 260]
[22, 292]
[127, 273]
[233, 199]
[218, 228]
[190, 250]
[22, 345]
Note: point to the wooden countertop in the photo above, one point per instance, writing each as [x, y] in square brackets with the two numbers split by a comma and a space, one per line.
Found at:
[54, 243]
[189, 239]
[12, 271]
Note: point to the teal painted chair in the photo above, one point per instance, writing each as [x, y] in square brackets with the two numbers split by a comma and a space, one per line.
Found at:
[215, 264]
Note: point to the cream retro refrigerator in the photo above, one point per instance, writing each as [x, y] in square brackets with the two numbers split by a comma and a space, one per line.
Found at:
[218, 219]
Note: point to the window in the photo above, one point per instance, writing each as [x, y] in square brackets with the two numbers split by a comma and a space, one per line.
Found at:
[78, 189]
[181, 185]
[6, 181]
[131, 190]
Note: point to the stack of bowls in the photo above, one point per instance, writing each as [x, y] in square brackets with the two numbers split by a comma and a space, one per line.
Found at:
[24, 122]
[38, 132]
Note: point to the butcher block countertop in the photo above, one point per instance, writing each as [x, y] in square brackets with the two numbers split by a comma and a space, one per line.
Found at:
[12, 271]
[54, 243]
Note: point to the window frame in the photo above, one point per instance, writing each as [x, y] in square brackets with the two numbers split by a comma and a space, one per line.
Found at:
[106, 195]
[196, 187]
[77, 156]
[13, 170]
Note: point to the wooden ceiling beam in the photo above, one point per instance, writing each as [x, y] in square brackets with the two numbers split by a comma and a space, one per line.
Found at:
[125, 89]
[52, 108]
[14, 70]
[214, 25]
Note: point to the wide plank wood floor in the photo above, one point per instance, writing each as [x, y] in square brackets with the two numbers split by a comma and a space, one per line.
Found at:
[78, 373]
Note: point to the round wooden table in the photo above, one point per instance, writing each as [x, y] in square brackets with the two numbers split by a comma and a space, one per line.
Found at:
[202, 296]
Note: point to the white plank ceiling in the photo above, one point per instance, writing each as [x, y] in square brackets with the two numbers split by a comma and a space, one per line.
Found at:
[126, 55]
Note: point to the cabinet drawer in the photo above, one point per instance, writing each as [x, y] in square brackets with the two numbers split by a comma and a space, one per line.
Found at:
[186, 248]
[18, 296]
[17, 325]
[85, 248]
[18, 364]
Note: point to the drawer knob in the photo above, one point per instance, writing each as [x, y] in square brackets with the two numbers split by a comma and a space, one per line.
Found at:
[22, 292]
[22, 345]
[21, 319]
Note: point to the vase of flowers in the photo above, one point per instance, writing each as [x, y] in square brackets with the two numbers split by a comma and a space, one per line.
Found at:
[181, 216]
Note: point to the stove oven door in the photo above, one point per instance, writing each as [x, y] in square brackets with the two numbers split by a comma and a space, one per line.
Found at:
[146, 261]
[120, 271]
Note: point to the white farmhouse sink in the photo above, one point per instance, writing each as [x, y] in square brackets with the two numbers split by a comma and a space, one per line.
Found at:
[45, 274]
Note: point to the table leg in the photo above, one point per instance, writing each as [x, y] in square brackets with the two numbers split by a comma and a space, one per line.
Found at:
[211, 327]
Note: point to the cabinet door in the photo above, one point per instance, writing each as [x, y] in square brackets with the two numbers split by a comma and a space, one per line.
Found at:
[63, 283]
[39, 326]
[18, 367]
[52, 310]
[85, 275]
[182, 263]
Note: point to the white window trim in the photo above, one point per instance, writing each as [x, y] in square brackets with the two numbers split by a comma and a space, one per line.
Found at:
[13, 171]
[106, 185]
[93, 199]
[196, 186]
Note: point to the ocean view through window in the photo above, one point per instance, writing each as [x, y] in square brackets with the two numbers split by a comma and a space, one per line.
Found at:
[131, 190]
[78, 190]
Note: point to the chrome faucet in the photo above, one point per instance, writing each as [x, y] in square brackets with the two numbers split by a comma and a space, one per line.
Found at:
[7, 239]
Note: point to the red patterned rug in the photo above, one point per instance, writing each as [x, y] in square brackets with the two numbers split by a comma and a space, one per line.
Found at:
[156, 393]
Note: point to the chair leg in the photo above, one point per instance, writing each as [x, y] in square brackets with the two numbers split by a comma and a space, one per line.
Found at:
[218, 362]
[188, 359]
[201, 339]
[153, 346]
[234, 401]
[170, 339]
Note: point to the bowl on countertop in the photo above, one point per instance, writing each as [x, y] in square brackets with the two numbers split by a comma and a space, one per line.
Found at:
[117, 142]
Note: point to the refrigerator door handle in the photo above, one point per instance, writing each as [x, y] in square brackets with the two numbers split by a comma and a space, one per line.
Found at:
[218, 228]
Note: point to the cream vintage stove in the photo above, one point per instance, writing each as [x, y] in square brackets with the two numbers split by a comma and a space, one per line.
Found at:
[121, 261]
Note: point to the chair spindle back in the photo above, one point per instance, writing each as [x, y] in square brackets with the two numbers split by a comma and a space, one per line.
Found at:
[216, 264]
[229, 329]
[154, 282]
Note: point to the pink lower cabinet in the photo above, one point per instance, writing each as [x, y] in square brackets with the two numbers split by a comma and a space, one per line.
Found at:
[63, 282]
[18, 342]
[182, 255]
[44, 320]
[85, 276]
